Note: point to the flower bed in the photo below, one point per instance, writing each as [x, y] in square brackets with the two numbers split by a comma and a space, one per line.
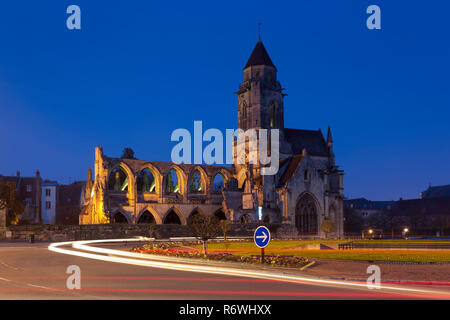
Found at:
[177, 249]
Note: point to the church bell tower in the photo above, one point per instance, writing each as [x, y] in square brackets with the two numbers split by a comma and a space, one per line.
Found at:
[260, 96]
[260, 106]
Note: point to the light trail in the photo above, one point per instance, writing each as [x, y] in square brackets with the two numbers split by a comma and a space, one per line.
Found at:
[37, 289]
[169, 263]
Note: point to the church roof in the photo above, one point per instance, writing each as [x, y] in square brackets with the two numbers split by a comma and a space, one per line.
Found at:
[311, 140]
[259, 57]
[290, 168]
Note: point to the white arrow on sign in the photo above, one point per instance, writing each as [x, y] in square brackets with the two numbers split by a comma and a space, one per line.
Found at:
[264, 236]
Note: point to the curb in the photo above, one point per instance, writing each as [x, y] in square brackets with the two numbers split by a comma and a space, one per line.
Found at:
[307, 266]
[400, 282]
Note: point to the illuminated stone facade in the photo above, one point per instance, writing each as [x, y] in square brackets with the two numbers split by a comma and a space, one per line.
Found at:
[307, 189]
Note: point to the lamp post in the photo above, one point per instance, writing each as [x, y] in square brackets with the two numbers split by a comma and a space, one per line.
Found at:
[370, 232]
[405, 232]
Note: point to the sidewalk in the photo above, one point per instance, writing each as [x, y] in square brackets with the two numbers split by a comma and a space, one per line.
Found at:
[389, 272]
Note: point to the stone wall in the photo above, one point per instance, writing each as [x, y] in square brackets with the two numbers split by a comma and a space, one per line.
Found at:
[59, 233]
[2, 223]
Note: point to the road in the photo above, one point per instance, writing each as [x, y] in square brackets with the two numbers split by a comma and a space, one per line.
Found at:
[31, 271]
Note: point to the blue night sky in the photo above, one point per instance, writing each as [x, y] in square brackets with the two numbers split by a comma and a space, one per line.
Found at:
[137, 70]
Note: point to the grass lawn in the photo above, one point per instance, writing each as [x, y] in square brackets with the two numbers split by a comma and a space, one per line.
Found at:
[282, 247]
[379, 255]
[401, 241]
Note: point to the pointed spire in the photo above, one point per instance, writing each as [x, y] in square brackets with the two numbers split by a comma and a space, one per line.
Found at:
[330, 148]
[259, 57]
[89, 177]
[329, 137]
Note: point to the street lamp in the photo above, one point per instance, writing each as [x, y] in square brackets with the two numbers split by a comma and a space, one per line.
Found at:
[370, 231]
[405, 231]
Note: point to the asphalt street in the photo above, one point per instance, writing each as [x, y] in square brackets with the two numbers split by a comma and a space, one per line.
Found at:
[31, 271]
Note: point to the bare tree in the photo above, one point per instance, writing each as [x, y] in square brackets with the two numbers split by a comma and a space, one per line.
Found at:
[225, 225]
[327, 227]
[10, 201]
[204, 227]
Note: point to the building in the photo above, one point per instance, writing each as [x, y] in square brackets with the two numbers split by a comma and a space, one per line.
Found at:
[365, 208]
[28, 190]
[361, 214]
[70, 199]
[306, 190]
[428, 216]
[48, 202]
[61, 204]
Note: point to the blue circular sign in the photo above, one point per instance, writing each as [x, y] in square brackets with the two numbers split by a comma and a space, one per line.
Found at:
[261, 236]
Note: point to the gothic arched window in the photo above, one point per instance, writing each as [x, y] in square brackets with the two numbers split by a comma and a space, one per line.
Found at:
[243, 114]
[272, 115]
[196, 182]
[146, 217]
[119, 218]
[172, 182]
[172, 218]
[218, 183]
[306, 215]
[118, 180]
[146, 181]
[306, 175]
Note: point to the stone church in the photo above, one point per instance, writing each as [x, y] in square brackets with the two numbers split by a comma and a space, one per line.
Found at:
[306, 191]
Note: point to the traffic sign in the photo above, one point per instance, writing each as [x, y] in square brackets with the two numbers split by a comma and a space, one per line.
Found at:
[261, 236]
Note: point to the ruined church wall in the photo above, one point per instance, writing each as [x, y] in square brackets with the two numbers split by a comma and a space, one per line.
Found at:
[315, 185]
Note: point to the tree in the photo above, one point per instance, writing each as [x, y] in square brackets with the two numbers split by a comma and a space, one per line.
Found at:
[327, 227]
[127, 153]
[10, 201]
[384, 220]
[353, 222]
[225, 225]
[443, 222]
[204, 227]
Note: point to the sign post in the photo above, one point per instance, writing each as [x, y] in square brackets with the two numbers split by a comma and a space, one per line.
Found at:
[262, 239]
